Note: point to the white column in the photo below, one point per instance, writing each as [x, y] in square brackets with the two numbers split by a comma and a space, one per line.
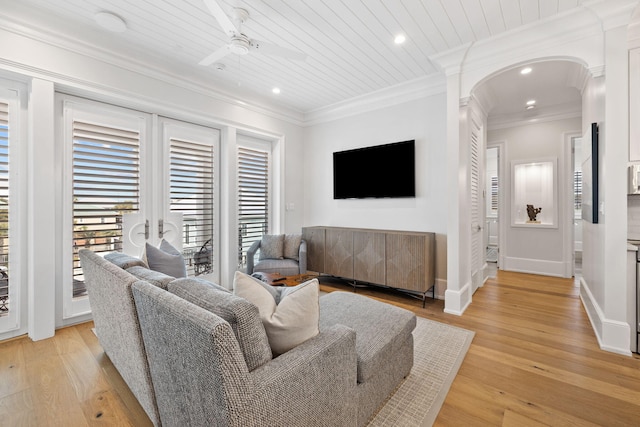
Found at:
[614, 145]
[228, 206]
[458, 294]
[41, 212]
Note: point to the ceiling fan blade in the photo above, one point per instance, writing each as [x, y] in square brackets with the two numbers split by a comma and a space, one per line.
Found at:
[272, 49]
[218, 54]
[222, 18]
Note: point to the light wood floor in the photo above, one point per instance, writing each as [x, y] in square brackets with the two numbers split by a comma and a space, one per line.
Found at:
[534, 361]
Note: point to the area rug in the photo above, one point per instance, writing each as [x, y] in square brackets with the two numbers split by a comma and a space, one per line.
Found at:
[438, 353]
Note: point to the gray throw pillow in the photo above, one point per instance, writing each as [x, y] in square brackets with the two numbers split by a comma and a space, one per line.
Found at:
[165, 259]
[243, 316]
[292, 246]
[272, 246]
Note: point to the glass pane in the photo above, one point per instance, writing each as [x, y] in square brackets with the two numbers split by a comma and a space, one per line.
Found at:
[4, 211]
[192, 184]
[253, 199]
[106, 179]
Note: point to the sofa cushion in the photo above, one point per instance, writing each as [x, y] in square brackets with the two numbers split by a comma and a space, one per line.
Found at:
[292, 246]
[272, 246]
[238, 312]
[124, 261]
[165, 259]
[284, 267]
[154, 277]
[291, 321]
[381, 329]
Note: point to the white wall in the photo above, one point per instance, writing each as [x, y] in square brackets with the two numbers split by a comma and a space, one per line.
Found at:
[423, 120]
[531, 249]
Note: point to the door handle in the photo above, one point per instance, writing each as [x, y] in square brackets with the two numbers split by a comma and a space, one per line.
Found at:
[160, 228]
[146, 230]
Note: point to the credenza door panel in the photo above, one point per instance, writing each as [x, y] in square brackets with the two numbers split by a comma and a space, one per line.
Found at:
[408, 262]
[339, 252]
[369, 257]
[314, 237]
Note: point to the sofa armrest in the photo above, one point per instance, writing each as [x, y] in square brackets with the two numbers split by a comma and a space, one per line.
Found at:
[251, 253]
[315, 381]
[302, 257]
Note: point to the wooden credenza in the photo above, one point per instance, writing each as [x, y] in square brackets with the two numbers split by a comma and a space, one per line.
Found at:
[403, 260]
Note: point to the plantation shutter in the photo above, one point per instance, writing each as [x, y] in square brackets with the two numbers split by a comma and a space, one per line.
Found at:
[192, 194]
[494, 193]
[253, 198]
[577, 190]
[475, 199]
[4, 209]
[106, 185]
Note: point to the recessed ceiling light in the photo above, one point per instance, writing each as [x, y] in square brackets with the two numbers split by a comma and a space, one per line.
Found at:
[525, 70]
[400, 38]
[110, 21]
[276, 90]
[530, 107]
[531, 102]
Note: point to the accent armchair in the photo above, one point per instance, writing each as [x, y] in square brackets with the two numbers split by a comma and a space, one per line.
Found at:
[278, 253]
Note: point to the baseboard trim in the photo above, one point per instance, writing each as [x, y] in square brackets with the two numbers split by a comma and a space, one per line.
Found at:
[441, 288]
[457, 301]
[612, 335]
[536, 266]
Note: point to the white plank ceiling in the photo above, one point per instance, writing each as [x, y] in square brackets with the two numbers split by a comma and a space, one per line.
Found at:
[349, 43]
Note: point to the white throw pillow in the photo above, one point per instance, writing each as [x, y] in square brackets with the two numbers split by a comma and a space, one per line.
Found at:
[290, 322]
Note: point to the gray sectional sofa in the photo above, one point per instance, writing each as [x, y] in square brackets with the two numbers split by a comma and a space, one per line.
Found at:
[194, 354]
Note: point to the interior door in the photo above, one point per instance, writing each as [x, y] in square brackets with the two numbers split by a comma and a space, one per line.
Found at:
[477, 205]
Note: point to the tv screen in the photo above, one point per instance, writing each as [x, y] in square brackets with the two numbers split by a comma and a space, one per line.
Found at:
[375, 172]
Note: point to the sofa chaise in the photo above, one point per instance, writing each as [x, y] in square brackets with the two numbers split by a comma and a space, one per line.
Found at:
[194, 354]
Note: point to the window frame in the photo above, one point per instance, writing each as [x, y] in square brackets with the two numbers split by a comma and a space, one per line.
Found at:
[15, 323]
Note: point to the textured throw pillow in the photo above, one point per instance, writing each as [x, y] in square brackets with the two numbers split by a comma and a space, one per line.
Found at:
[289, 322]
[165, 259]
[272, 246]
[292, 246]
[243, 316]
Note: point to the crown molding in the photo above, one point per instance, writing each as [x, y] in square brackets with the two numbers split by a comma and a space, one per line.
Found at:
[612, 13]
[398, 94]
[576, 35]
[152, 67]
[541, 115]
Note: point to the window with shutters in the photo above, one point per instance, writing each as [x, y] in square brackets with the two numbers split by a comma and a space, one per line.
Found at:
[106, 185]
[5, 301]
[253, 197]
[192, 195]
[13, 229]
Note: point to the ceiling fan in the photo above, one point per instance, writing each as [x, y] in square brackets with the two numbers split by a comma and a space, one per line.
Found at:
[240, 44]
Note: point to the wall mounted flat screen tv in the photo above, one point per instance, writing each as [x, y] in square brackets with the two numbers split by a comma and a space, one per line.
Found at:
[381, 171]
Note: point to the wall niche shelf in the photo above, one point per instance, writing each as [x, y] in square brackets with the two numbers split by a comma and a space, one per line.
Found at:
[534, 183]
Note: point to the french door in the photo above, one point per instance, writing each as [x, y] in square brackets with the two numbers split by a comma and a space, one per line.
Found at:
[133, 178]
